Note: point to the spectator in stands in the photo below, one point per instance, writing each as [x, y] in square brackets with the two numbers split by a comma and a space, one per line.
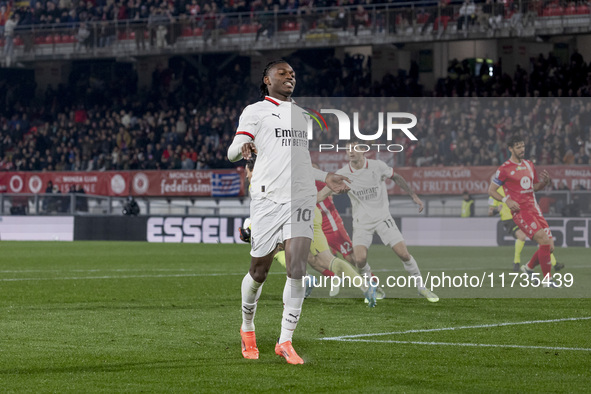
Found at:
[360, 18]
[305, 19]
[264, 14]
[82, 37]
[4, 17]
[467, 15]
[123, 129]
[9, 28]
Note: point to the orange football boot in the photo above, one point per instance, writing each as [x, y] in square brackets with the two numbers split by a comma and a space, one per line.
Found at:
[249, 345]
[287, 351]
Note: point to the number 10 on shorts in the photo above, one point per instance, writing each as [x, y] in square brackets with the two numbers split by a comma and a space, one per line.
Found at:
[303, 215]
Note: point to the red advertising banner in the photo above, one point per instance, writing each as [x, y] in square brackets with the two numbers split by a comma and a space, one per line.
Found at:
[454, 180]
[203, 183]
[226, 183]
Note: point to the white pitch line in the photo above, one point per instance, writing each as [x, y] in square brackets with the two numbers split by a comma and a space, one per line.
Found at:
[100, 270]
[467, 344]
[129, 276]
[178, 275]
[349, 337]
[191, 269]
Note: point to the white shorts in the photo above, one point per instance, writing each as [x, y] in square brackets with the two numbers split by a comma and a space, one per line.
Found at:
[273, 223]
[386, 229]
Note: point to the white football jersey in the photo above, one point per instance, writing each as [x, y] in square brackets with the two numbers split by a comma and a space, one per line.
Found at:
[368, 194]
[283, 170]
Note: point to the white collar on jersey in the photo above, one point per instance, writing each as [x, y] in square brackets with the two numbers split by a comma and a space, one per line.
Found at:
[278, 102]
[365, 165]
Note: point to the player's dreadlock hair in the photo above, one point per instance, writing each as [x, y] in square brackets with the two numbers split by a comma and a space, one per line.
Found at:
[514, 140]
[263, 89]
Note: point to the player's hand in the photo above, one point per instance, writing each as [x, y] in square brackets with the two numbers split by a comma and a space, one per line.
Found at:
[418, 201]
[244, 234]
[247, 150]
[512, 205]
[545, 177]
[336, 183]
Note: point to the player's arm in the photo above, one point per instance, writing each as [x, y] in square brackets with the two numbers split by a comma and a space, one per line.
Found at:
[491, 210]
[323, 194]
[400, 181]
[494, 206]
[241, 147]
[545, 181]
[492, 191]
[334, 182]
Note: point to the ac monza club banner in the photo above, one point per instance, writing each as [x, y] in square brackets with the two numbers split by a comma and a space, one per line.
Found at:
[453, 180]
[202, 183]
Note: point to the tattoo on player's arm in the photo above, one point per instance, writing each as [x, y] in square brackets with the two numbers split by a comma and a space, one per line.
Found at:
[402, 183]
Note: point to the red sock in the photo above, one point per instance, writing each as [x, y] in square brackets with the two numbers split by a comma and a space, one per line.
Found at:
[327, 273]
[534, 260]
[544, 257]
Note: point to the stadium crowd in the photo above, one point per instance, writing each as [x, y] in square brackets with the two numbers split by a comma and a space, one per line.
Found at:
[214, 14]
[187, 119]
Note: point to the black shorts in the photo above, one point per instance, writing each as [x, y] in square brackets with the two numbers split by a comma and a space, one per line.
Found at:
[510, 227]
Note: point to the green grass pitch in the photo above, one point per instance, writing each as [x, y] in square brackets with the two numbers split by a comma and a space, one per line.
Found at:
[130, 317]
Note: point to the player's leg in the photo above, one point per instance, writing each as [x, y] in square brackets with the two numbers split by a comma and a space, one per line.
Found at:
[280, 255]
[522, 222]
[310, 280]
[265, 236]
[319, 265]
[535, 226]
[520, 239]
[411, 266]
[252, 285]
[296, 253]
[350, 257]
[512, 229]
[343, 269]
[297, 232]
[556, 265]
[319, 244]
[360, 252]
[543, 239]
[340, 242]
[362, 240]
[391, 236]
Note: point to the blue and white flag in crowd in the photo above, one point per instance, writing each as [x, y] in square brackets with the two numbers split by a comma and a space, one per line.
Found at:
[225, 185]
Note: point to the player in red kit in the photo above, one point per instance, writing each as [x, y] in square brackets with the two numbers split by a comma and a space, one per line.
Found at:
[333, 228]
[520, 181]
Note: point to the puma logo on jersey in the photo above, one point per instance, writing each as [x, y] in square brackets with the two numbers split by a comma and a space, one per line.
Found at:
[277, 115]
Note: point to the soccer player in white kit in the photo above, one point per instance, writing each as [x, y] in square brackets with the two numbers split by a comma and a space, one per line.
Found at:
[283, 197]
[371, 212]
